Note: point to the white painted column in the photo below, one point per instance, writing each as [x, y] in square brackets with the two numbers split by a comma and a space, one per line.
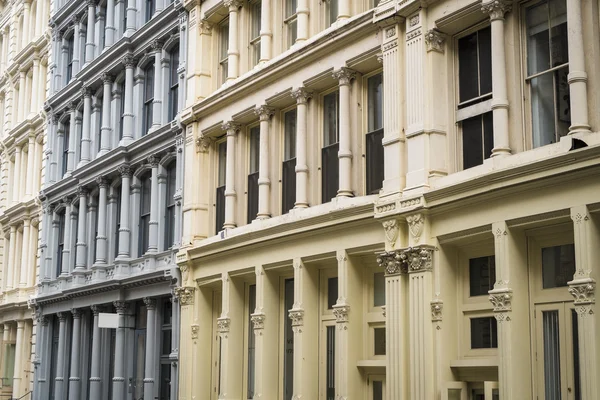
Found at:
[75, 376]
[577, 75]
[344, 340]
[110, 30]
[59, 381]
[11, 258]
[131, 17]
[266, 31]
[64, 271]
[36, 93]
[129, 63]
[30, 169]
[231, 128]
[302, 30]
[19, 346]
[26, 23]
[25, 253]
[497, 9]
[154, 200]
[105, 130]
[72, 139]
[178, 197]
[264, 183]
[22, 96]
[86, 140]
[157, 100]
[124, 230]
[101, 238]
[90, 46]
[233, 53]
[118, 381]
[151, 348]
[16, 197]
[33, 250]
[302, 95]
[95, 372]
[81, 245]
[76, 45]
[345, 76]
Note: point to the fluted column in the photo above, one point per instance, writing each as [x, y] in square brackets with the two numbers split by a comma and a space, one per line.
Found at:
[11, 258]
[157, 101]
[118, 380]
[124, 230]
[64, 271]
[302, 95]
[59, 381]
[110, 30]
[95, 372]
[302, 10]
[496, 10]
[230, 194]
[16, 195]
[264, 183]
[266, 31]
[86, 128]
[105, 130]
[129, 63]
[345, 76]
[233, 53]
[90, 30]
[154, 199]
[30, 169]
[131, 17]
[25, 253]
[101, 257]
[19, 345]
[75, 376]
[81, 246]
[150, 348]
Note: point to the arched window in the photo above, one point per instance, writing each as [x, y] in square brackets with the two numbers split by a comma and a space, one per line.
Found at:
[148, 98]
[145, 201]
[170, 212]
[173, 83]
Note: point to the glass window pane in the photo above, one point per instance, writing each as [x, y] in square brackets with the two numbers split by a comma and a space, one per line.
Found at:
[558, 265]
[575, 344]
[551, 355]
[333, 11]
[375, 103]
[224, 37]
[251, 340]
[484, 333]
[222, 163]
[256, 15]
[472, 142]
[292, 31]
[488, 134]
[377, 390]
[254, 149]
[290, 8]
[290, 135]
[332, 292]
[484, 38]
[379, 341]
[468, 71]
[330, 118]
[330, 373]
[288, 363]
[482, 275]
[542, 110]
[378, 289]
[454, 394]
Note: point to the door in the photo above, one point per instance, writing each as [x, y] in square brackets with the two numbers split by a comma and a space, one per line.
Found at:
[557, 352]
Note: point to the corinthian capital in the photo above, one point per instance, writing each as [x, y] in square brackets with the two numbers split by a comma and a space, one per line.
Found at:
[128, 61]
[232, 4]
[344, 75]
[434, 40]
[302, 95]
[264, 112]
[125, 170]
[496, 8]
[231, 127]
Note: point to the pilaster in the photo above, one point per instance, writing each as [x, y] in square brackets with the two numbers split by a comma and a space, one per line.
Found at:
[151, 348]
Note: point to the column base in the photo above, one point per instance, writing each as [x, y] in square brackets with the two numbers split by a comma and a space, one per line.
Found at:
[79, 278]
[126, 141]
[99, 272]
[82, 163]
[501, 151]
[345, 193]
[298, 205]
[579, 129]
[102, 152]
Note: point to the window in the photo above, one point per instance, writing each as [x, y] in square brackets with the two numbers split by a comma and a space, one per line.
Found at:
[291, 21]
[329, 152]
[98, 113]
[288, 195]
[253, 173]
[122, 109]
[139, 351]
[145, 200]
[220, 196]
[251, 341]
[328, 298]
[148, 97]
[118, 220]
[256, 11]
[70, 49]
[558, 265]
[332, 292]
[170, 214]
[330, 363]
[547, 70]
[224, 49]
[65, 149]
[379, 341]
[164, 381]
[484, 333]
[61, 242]
[474, 113]
[379, 289]
[482, 275]
[9, 364]
[288, 340]
[374, 146]
[150, 9]
[173, 84]
[331, 13]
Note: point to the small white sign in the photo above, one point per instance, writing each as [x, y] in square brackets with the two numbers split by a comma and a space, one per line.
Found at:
[108, 320]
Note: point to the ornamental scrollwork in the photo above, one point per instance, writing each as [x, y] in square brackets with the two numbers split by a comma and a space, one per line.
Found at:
[195, 330]
[258, 321]
[416, 223]
[391, 261]
[583, 293]
[434, 40]
[223, 324]
[437, 306]
[418, 258]
[341, 313]
[501, 300]
[204, 142]
[391, 231]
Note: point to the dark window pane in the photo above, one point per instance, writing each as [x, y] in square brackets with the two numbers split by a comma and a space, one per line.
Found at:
[330, 376]
[254, 149]
[377, 390]
[379, 341]
[484, 37]
[251, 340]
[332, 292]
[488, 134]
[288, 185]
[472, 142]
[468, 75]
[552, 364]
[575, 344]
[331, 114]
[290, 135]
[378, 289]
[329, 173]
[558, 265]
[222, 164]
[375, 160]
[482, 275]
[220, 208]
[375, 102]
[252, 196]
[484, 333]
[288, 338]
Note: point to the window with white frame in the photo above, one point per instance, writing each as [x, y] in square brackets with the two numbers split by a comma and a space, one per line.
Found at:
[61, 241]
[170, 212]
[253, 167]
[150, 9]
[65, 149]
[329, 151]
[255, 17]
[145, 203]
[173, 83]
[288, 178]
[331, 12]
[70, 50]
[329, 295]
[148, 98]
[474, 114]
[220, 192]
[223, 50]
[547, 70]
[291, 21]
[374, 136]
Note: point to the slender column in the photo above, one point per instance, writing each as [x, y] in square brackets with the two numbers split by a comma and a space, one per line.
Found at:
[75, 378]
[11, 258]
[95, 372]
[105, 131]
[110, 30]
[124, 229]
[131, 17]
[42, 342]
[54, 144]
[22, 95]
[31, 261]
[35, 84]
[26, 23]
[57, 55]
[25, 253]
[343, 10]
[64, 271]
[76, 44]
[178, 191]
[30, 170]
[19, 345]
[64, 60]
[47, 248]
[496, 9]
[81, 246]
[86, 140]
[51, 266]
[59, 389]
[118, 380]
[90, 46]
[264, 183]
[150, 348]
[157, 101]
[302, 20]
[101, 238]
[129, 63]
[72, 139]
[230, 195]
[233, 52]
[345, 76]
[154, 199]
[16, 195]
[302, 95]
[266, 31]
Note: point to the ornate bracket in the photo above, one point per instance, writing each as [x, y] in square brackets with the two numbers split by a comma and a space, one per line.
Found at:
[185, 295]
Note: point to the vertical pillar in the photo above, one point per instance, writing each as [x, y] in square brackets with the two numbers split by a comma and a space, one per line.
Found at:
[105, 131]
[189, 379]
[124, 229]
[30, 170]
[46, 246]
[158, 89]
[33, 251]
[231, 128]
[151, 348]
[16, 196]
[345, 76]
[57, 55]
[118, 380]
[19, 346]
[72, 139]
[131, 17]
[583, 290]
[95, 372]
[75, 376]
[25, 253]
[59, 381]
[101, 238]
[154, 199]
[233, 52]
[302, 95]
[179, 144]
[343, 10]
[497, 9]
[129, 63]
[264, 183]
[42, 351]
[86, 128]
[11, 258]
[81, 246]
[64, 271]
[26, 23]
[302, 11]
[110, 29]
[64, 61]
[266, 31]
[90, 46]
[305, 329]
[53, 149]
[577, 75]
[76, 44]
[22, 96]
[35, 84]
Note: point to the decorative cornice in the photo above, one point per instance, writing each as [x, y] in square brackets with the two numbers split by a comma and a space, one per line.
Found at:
[434, 40]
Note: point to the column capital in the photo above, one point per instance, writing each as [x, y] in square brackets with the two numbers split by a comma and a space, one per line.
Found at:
[264, 112]
[258, 320]
[341, 313]
[204, 142]
[128, 61]
[232, 4]
[62, 316]
[297, 316]
[102, 182]
[125, 170]
[185, 295]
[106, 78]
[96, 309]
[86, 91]
[76, 313]
[66, 200]
[153, 161]
[496, 8]
[121, 306]
[302, 95]
[82, 191]
[231, 127]
[156, 45]
[392, 262]
[501, 299]
[344, 75]
[583, 291]
[150, 303]
[91, 3]
[74, 20]
[223, 324]
[434, 40]
[205, 27]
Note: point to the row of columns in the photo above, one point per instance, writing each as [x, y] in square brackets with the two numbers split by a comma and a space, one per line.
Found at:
[19, 337]
[20, 257]
[25, 167]
[264, 112]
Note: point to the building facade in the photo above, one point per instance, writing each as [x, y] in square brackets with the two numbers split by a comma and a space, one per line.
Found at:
[390, 200]
[24, 50]
[111, 202]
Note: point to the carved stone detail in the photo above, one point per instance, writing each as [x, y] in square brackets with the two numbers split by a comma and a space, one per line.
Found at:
[121, 306]
[231, 127]
[584, 293]
[416, 222]
[128, 61]
[418, 259]
[434, 41]
[150, 303]
[204, 142]
[437, 307]
[195, 330]
[302, 95]
[501, 300]
[391, 261]
[344, 75]
[496, 8]
[341, 313]
[258, 321]
[391, 231]
[264, 112]
[297, 316]
[124, 170]
[223, 324]
[185, 295]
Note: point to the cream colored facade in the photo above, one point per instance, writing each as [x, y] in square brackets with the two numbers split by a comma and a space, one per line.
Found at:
[23, 65]
[471, 274]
